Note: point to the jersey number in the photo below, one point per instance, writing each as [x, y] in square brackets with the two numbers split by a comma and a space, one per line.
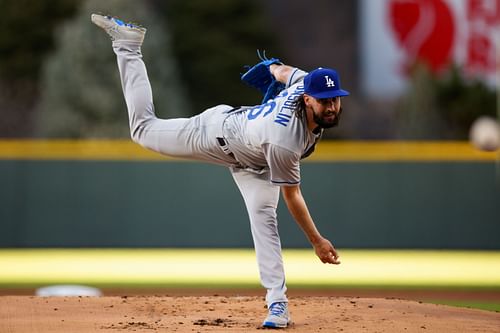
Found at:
[263, 110]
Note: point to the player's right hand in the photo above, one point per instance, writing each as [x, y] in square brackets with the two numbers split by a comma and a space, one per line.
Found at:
[326, 252]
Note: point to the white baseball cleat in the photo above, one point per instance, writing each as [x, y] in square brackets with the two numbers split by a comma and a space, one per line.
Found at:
[278, 316]
[118, 30]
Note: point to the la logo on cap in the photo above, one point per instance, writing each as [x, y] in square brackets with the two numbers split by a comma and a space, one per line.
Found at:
[329, 82]
[323, 83]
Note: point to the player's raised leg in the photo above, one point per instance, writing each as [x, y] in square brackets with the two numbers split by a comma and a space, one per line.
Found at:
[261, 199]
[160, 135]
[193, 138]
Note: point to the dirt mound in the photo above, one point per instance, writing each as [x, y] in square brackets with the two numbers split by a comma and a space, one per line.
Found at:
[233, 314]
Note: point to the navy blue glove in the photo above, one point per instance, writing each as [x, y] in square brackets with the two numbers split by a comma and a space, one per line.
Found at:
[273, 90]
[259, 76]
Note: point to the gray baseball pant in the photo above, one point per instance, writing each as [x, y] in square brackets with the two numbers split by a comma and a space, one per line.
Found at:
[195, 138]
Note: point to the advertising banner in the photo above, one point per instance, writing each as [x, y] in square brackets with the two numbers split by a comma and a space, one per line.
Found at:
[396, 34]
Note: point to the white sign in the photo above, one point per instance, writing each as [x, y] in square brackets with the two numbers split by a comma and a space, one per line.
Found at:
[395, 34]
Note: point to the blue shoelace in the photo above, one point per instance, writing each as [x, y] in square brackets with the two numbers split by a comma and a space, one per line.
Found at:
[120, 22]
[277, 309]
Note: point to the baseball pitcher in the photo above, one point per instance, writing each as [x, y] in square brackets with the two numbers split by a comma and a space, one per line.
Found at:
[262, 145]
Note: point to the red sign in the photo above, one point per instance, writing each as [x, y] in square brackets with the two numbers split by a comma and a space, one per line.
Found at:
[434, 32]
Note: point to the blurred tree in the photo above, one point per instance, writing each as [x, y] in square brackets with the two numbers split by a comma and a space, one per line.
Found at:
[444, 107]
[82, 95]
[416, 112]
[26, 28]
[26, 34]
[461, 101]
[212, 41]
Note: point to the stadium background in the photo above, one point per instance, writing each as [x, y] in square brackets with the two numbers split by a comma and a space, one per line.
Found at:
[71, 181]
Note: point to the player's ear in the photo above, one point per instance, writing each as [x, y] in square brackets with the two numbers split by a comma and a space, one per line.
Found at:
[307, 99]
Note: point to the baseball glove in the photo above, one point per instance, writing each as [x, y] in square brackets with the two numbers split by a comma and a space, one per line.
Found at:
[259, 76]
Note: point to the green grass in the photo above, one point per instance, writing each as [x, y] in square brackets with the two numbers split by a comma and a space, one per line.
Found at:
[482, 305]
[237, 268]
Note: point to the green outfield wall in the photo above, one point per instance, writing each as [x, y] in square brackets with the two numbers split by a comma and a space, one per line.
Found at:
[65, 194]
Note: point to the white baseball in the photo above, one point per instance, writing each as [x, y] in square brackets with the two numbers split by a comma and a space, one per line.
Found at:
[485, 134]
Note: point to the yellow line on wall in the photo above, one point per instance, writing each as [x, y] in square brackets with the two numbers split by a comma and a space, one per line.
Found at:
[400, 151]
[76, 150]
[326, 151]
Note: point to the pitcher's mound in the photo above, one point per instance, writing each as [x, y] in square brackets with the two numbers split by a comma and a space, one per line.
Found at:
[234, 314]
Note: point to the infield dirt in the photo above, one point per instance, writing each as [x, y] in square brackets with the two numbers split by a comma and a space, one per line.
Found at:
[233, 314]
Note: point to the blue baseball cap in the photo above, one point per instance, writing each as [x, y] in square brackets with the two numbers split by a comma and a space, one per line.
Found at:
[323, 83]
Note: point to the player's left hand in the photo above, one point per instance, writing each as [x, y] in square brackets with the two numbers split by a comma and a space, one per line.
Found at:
[326, 252]
[259, 76]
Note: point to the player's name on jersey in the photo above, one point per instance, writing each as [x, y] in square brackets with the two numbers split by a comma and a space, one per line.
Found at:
[285, 112]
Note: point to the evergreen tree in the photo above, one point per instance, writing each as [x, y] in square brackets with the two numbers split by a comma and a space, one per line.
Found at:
[416, 113]
[82, 95]
[26, 37]
[462, 100]
[442, 107]
[213, 41]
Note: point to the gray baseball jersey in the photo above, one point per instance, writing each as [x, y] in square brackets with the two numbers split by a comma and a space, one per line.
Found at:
[262, 138]
[270, 137]
[249, 140]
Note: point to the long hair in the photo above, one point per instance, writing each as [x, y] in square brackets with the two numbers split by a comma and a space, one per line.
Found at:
[300, 107]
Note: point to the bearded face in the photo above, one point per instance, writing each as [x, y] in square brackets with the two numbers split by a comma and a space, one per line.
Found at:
[327, 119]
[325, 111]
